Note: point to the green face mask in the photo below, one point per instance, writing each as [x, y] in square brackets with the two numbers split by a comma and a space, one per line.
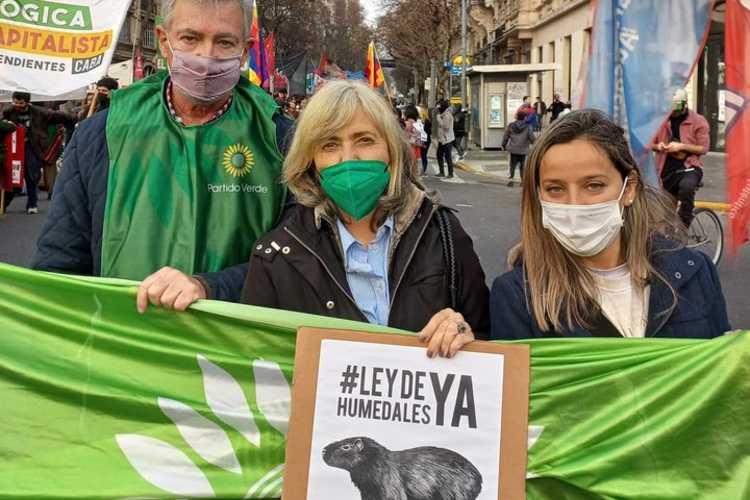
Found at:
[678, 107]
[355, 186]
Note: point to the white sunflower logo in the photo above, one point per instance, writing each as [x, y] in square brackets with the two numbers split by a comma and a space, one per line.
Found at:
[238, 160]
[169, 469]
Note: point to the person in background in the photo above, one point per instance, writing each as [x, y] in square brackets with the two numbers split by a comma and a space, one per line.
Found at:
[459, 131]
[525, 105]
[556, 108]
[414, 129]
[445, 137]
[104, 89]
[36, 120]
[532, 118]
[425, 117]
[680, 144]
[601, 252]
[517, 139]
[541, 109]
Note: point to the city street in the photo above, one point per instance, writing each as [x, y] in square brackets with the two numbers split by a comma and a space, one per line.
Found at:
[488, 208]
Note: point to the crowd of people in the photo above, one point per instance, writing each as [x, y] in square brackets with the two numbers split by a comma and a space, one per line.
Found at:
[175, 183]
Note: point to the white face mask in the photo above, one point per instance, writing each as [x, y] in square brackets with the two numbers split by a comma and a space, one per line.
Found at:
[584, 230]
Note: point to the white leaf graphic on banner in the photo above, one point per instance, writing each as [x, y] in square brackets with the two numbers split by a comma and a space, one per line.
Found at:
[226, 399]
[164, 466]
[535, 431]
[272, 394]
[205, 437]
[272, 477]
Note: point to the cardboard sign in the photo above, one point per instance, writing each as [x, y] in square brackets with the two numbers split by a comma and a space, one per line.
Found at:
[374, 417]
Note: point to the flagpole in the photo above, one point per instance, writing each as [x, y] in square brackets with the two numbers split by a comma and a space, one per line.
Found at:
[376, 59]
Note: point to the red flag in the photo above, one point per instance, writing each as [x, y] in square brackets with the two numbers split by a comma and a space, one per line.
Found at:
[270, 57]
[138, 70]
[737, 107]
[271, 53]
[373, 71]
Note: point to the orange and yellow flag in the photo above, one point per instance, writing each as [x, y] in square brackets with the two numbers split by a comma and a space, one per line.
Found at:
[373, 71]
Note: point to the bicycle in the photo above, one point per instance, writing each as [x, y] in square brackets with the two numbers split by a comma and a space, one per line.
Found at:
[706, 233]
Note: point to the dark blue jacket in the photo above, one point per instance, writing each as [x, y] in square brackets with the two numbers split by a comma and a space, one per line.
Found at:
[700, 311]
[71, 238]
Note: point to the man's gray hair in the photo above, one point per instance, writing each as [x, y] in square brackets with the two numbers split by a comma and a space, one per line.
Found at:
[167, 7]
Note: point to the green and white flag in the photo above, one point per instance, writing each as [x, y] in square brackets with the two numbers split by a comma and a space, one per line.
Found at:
[100, 402]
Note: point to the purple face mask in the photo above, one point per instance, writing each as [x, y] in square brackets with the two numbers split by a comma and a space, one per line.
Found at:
[205, 79]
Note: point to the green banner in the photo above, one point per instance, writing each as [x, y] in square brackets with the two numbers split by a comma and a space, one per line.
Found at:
[100, 402]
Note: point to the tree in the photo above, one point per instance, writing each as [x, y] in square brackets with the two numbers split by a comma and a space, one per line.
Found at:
[313, 27]
[416, 32]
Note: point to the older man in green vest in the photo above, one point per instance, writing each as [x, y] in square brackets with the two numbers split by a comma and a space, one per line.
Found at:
[182, 172]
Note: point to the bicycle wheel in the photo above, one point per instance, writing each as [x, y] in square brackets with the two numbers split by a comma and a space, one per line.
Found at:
[706, 234]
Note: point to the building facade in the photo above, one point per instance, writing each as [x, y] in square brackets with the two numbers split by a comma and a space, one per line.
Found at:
[559, 32]
[139, 29]
[534, 31]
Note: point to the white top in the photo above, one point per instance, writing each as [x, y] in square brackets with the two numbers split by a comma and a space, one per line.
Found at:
[623, 304]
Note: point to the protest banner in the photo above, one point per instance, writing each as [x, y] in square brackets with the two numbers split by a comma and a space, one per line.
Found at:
[372, 416]
[67, 42]
[639, 56]
[737, 110]
[102, 402]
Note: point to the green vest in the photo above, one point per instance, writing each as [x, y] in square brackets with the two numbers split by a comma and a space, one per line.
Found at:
[190, 197]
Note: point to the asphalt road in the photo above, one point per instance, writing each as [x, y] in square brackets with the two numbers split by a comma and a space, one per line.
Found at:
[488, 208]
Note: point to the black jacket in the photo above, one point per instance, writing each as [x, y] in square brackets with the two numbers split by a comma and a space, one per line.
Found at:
[71, 238]
[700, 312]
[41, 118]
[299, 267]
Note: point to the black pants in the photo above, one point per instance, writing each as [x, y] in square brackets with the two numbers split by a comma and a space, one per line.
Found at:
[445, 153]
[682, 186]
[460, 144]
[423, 153]
[517, 160]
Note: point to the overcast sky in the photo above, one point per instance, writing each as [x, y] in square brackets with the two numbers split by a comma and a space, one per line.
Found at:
[371, 7]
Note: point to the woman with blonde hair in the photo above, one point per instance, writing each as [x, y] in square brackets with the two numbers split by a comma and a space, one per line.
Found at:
[600, 251]
[366, 241]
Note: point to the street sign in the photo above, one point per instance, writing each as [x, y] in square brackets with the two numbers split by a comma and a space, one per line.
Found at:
[456, 70]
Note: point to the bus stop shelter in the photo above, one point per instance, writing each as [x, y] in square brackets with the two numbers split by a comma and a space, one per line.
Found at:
[497, 91]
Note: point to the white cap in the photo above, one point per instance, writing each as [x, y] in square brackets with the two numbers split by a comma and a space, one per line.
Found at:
[680, 95]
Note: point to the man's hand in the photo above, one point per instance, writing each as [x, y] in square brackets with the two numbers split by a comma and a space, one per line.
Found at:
[674, 147]
[446, 334]
[171, 289]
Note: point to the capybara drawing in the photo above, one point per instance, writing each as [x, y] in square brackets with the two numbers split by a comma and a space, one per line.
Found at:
[424, 473]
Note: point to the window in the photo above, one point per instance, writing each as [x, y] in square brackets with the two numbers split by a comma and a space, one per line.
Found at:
[125, 31]
[149, 38]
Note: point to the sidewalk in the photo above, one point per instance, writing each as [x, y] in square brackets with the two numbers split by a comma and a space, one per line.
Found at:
[495, 164]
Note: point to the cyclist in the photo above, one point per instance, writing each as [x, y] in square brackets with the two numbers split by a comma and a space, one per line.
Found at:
[679, 146]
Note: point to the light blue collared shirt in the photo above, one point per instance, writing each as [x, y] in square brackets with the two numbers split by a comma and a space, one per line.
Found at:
[367, 273]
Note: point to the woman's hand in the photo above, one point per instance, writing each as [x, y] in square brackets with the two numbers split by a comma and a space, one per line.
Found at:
[170, 289]
[446, 334]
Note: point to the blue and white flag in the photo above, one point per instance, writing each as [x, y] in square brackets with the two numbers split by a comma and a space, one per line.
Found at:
[642, 51]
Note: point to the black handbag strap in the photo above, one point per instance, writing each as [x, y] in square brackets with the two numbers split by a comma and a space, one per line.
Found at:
[449, 255]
